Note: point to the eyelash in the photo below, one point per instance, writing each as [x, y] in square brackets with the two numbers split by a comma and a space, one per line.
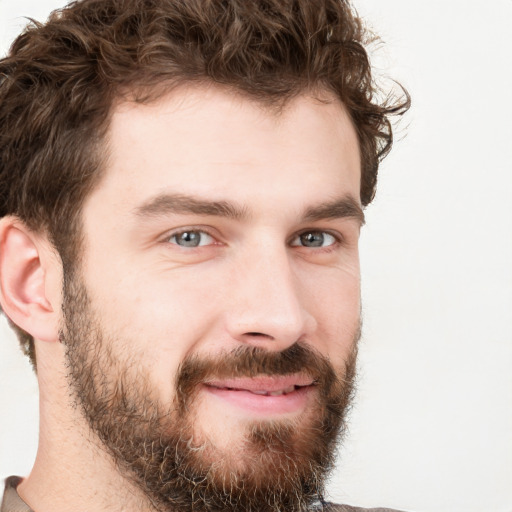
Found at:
[338, 238]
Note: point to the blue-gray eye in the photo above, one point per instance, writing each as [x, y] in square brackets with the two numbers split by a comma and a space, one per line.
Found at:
[314, 239]
[192, 238]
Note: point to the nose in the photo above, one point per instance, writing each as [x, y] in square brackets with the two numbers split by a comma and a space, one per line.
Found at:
[268, 307]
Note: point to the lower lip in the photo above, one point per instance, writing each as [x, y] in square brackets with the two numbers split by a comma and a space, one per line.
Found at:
[263, 405]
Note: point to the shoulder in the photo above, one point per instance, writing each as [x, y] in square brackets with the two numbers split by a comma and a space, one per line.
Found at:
[331, 507]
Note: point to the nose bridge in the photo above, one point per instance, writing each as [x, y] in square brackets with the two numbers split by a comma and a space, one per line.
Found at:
[268, 307]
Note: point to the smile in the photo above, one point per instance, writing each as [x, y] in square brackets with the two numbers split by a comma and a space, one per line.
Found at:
[262, 392]
[263, 395]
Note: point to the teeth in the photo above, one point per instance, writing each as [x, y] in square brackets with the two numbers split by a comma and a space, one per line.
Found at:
[275, 393]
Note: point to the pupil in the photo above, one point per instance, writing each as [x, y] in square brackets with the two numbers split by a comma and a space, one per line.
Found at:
[189, 239]
[312, 239]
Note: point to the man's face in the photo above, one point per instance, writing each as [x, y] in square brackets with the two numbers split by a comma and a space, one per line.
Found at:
[215, 310]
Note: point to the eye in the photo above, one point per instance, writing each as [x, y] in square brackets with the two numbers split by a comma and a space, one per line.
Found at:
[314, 239]
[191, 238]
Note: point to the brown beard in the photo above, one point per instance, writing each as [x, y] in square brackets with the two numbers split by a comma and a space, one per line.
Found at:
[281, 465]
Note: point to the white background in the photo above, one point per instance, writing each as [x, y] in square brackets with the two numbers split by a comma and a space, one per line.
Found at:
[432, 426]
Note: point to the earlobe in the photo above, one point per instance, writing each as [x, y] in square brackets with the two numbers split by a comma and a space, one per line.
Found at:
[23, 287]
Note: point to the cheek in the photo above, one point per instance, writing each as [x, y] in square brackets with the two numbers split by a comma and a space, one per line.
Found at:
[335, 301]
[155, 321]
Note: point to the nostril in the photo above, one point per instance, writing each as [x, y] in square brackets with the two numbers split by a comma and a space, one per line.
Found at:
[259, 334]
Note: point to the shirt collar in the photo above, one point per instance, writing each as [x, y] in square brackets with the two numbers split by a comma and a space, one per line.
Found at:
[11, 501]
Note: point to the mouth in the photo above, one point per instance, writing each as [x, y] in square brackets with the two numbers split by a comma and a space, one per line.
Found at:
[278, 392]
[261, 392]
[263, 395]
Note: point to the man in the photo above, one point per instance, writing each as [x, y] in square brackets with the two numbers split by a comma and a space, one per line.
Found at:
[182, 189]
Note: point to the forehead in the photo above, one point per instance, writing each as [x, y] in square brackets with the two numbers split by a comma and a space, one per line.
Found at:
[209, 141]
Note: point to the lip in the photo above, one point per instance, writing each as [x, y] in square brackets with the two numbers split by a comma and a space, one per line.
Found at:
[263, 395]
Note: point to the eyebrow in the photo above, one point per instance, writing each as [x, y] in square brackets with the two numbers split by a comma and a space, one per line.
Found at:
[167, 204]
[346, 207]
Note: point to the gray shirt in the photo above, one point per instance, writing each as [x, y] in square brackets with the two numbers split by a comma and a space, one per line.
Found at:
[12, 502]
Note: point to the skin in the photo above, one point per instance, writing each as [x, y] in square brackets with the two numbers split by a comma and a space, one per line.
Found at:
[251, 281]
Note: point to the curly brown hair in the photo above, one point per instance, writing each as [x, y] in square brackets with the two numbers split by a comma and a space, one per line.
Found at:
[60, 79]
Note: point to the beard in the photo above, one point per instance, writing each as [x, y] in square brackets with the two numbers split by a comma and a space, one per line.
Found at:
[280, 464]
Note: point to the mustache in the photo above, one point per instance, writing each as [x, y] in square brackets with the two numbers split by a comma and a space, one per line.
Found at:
[247, 361]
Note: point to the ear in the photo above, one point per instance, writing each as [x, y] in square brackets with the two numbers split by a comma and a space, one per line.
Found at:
[30, 273]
